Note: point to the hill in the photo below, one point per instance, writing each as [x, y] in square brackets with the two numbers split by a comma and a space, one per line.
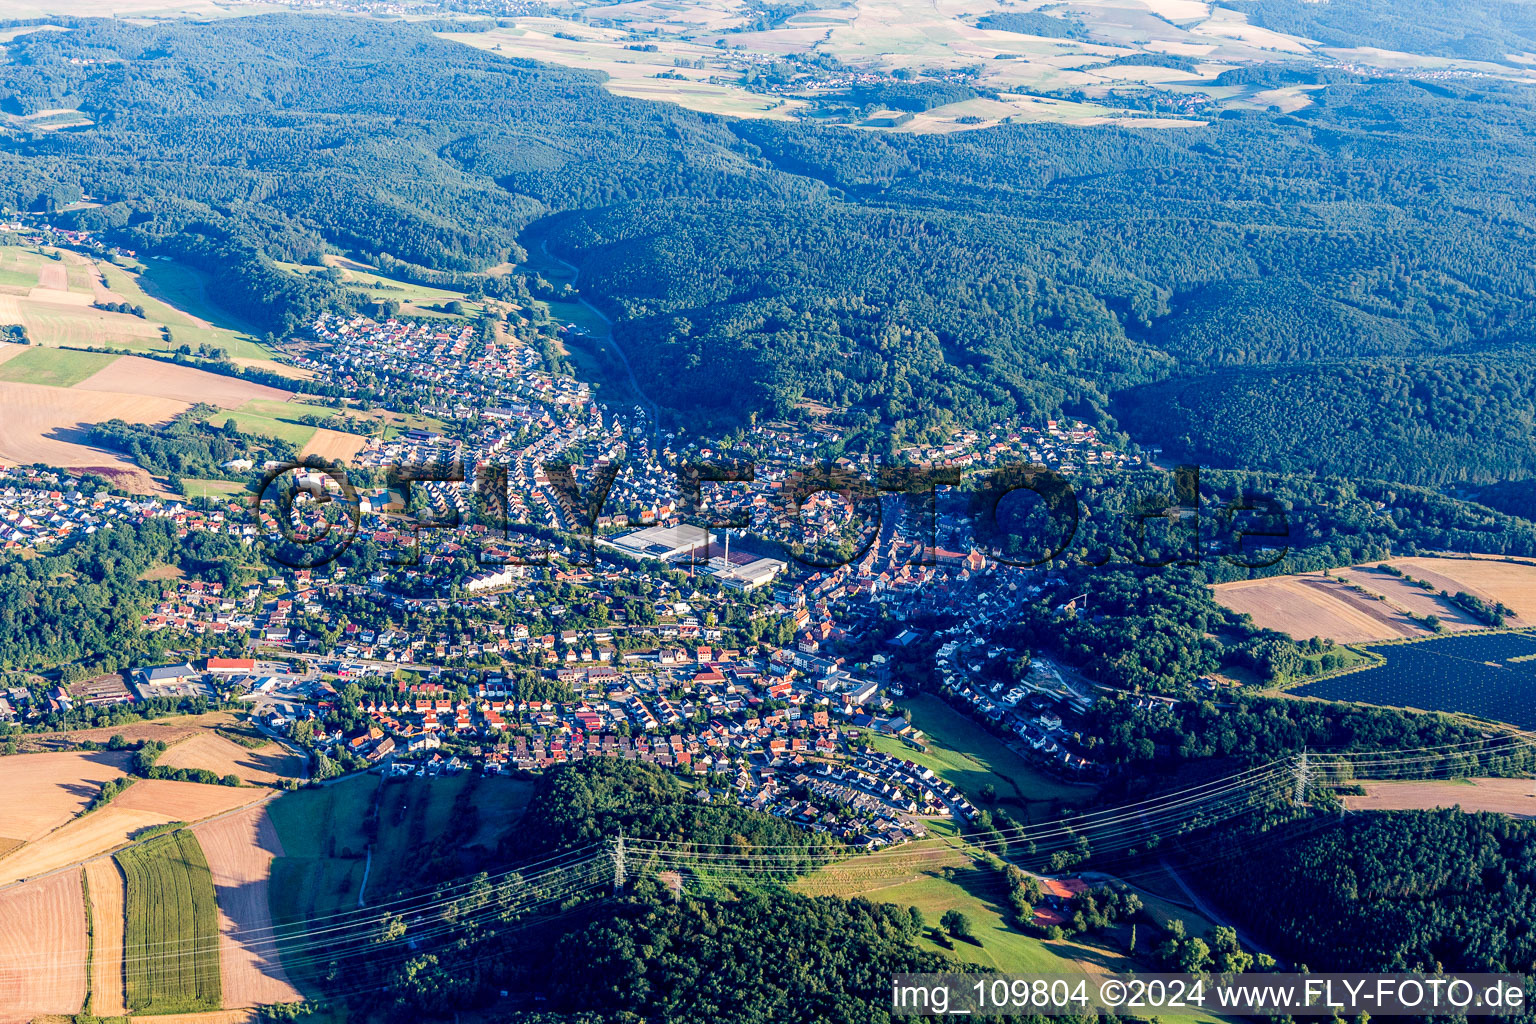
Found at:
[1432, 421]
[905, 282]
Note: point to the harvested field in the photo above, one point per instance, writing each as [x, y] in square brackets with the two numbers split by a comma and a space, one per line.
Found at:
[262, 766]
[44, 791]
[1512, 583]
[43, 424]
[211, 1017]
[185, 801]
[1409, 597]
[53, 276]
[135, 375]
[105, 884]
[334, 445]
[145, 803]
[42, 948]
[82, 839]
[1307, 606]
[167, 730]
[1515, 797]
[240, 849]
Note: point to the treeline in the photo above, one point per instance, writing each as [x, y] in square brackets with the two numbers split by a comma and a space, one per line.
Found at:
[1249, 730]
[188, 446]
[120, 307]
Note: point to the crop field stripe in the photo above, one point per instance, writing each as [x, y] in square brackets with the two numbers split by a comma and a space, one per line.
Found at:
[172, 947]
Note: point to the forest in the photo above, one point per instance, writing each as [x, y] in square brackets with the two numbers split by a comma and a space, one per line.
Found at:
[1248, 730]
[1383, 891]
[1489, 31]
[1433, 421]
[911, 283]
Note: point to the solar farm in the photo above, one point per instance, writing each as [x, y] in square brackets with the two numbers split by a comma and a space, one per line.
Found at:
[1486, 675]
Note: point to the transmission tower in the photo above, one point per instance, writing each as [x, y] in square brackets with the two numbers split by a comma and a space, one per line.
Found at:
[1303, 777]
[618, 864]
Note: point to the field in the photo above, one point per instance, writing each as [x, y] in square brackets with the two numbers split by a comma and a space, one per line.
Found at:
[415, 299]
[43, 424]
[240, 849]
[1363, 604]
[104, 883]
[267, 419]
[325, 849]
[1487, 675]
[135, 375]
[968, 757]
[55, 367]
[937, 879]
[53, 299]
[334, 445]
[53, 391]
[167, 730]
[262, 766]
[145, 803]
[974, 887]
[44, 791]
[1516, 797]
[43, 946]
[321, 870]
[50, 422]
[1512, 583]
[172, 927]
[934, 36]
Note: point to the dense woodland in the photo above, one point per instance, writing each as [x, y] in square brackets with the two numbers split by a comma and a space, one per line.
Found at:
[912, 282]
[1490, 31]
[1395, 891]
[1248, 730]
[1432, 421]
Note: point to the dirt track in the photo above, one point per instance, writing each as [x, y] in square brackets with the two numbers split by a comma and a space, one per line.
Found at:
[240, 849]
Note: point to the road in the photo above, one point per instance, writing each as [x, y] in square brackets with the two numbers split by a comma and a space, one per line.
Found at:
[634, 382]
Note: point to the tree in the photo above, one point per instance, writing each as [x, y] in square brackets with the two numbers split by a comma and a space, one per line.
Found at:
[956, 924]
[1194, 956]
